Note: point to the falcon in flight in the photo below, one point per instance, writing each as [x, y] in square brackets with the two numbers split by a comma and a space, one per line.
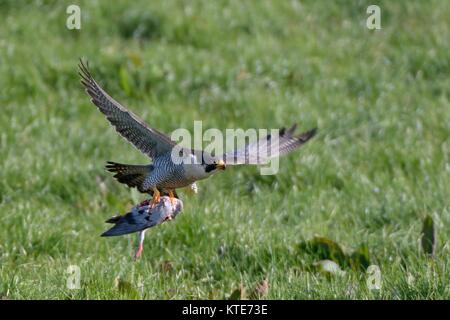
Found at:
[164, 175]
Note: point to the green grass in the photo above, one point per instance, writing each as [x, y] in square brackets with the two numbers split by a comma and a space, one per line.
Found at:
[378, 166]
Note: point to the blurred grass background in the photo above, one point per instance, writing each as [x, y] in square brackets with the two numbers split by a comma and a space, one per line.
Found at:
[379, 165]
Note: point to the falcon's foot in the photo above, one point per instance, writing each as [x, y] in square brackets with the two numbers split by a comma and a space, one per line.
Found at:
[156, 198]
[172, 199]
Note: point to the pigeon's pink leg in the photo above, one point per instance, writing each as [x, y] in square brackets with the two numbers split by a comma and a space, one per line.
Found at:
[138, 253]
[141, 237]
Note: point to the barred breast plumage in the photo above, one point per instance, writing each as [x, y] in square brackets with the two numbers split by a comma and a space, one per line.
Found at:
[166, 174]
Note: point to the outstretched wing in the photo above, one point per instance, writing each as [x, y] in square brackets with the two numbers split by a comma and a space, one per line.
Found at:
[148, 140]
[262, 150]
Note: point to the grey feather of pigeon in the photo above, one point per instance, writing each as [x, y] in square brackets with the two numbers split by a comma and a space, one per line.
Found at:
[142, 217]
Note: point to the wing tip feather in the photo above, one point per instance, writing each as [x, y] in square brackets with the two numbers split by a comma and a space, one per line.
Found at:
[308, 134]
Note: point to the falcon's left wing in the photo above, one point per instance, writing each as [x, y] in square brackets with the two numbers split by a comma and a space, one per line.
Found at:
[148, 140]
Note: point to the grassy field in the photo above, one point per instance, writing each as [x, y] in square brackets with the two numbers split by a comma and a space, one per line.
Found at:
[378, 167]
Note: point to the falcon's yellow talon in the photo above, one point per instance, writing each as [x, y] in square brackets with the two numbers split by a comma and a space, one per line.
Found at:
[172, 198]
[156, 197]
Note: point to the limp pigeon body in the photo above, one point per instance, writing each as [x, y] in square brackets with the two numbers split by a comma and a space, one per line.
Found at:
[142, 217]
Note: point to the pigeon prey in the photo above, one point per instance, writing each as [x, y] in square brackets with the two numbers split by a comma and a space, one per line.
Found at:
[142, 217]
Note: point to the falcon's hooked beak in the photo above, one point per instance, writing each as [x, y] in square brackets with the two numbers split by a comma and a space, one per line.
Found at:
[220, 165]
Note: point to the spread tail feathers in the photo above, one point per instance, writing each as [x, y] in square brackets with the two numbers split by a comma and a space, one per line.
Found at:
[131, 175]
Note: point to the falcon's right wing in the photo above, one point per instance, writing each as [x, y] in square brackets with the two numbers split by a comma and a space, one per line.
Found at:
[148, 140]
[261, 151]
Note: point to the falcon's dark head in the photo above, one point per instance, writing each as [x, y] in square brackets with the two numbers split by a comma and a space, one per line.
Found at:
[216, 165]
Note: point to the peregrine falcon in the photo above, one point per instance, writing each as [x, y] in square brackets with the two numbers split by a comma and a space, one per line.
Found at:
[163, 175]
